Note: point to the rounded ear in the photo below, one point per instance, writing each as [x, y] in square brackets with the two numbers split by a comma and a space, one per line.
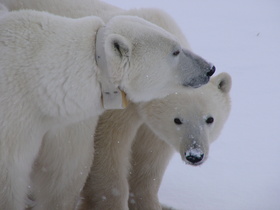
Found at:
[222, 82]
[117, 51]
[119, 45]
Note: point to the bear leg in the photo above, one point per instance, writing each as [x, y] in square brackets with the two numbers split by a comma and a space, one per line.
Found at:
[150, 157]
[62, 167]
[17, 157]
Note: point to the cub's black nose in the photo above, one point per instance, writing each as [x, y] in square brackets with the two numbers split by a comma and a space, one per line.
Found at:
[194, 156]
[194, 159]
[211, 72]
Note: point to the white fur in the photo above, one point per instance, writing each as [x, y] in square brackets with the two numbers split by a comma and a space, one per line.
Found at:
[49, 79]
[151, 152]
[61, 191]
[41, 87]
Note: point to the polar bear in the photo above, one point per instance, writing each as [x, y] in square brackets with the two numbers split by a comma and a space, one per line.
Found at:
[186, 122]
[201, 119]
[52, 73]
[60, 192]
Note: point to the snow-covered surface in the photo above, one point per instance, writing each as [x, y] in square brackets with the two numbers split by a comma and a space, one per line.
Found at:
[241, 37]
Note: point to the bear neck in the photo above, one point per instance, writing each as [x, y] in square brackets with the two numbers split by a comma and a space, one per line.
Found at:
[112, 97]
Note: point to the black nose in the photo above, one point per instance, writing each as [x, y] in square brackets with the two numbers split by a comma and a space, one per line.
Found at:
[211, 72]
[194, 155]
[194, 159]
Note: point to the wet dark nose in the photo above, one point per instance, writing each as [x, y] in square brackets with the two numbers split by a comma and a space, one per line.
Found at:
[211, 72]
[194, 159]
[194, 156]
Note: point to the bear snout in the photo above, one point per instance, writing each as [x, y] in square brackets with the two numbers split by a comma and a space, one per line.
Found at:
[194, 156]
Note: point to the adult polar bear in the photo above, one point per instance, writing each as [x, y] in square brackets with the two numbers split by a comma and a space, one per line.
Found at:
[49, 78]
[61, 188]
[61, 191]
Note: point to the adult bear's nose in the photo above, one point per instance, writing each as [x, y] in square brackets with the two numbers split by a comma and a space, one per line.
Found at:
[194, 156]
[212, 71]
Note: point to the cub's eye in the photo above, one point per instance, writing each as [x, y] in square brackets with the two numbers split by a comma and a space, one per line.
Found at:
[177, 52]
[209, 120]
[177, 121]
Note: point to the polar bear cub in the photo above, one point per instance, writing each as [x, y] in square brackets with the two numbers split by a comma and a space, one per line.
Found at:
[196, 120]
[187, 122]
[50, 78]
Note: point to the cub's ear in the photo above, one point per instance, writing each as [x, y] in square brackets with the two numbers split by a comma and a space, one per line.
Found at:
[118, 45]
[222, 82]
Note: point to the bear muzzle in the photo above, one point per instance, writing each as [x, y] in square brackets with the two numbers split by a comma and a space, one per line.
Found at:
[195, 70]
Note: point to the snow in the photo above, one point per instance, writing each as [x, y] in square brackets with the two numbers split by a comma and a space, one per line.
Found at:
[241, 37]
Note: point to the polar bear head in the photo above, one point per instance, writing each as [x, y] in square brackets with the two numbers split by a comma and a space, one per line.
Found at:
[147, 62]
[191, 120]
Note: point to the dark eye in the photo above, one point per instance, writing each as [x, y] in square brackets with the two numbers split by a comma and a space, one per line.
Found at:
[177, 121]
[177, 52]
[209, 120]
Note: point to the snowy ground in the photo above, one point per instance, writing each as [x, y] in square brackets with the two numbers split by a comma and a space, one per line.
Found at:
[241, 37]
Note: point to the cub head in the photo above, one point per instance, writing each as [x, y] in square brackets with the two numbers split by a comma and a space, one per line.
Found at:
[192, 119]
[147, 62]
